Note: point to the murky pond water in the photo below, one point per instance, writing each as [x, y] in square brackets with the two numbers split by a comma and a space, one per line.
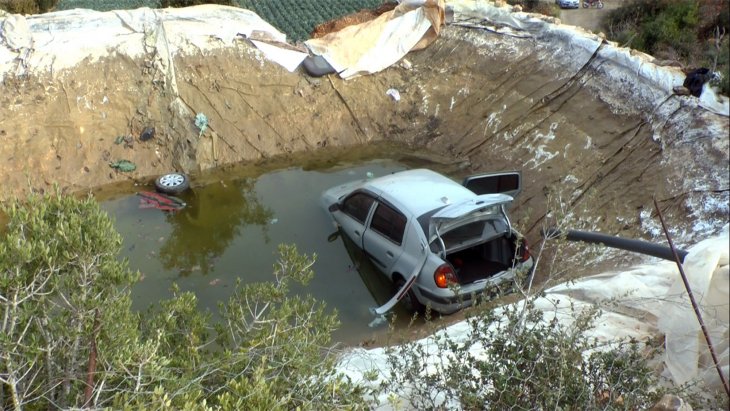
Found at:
[231, 229]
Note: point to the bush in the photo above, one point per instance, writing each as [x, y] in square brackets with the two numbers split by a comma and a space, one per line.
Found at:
[20, 6]
[681, 30]
[69, 338]
[512, 359]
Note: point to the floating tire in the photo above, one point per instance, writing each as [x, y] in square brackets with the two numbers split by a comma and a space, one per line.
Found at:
[173, 183]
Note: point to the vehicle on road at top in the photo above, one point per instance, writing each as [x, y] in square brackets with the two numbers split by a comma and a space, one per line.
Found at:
[568, 4]
[440, 242]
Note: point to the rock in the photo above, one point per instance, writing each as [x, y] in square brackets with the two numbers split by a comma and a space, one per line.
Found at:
[671, 402]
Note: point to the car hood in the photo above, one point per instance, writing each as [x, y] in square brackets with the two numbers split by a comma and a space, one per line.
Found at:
[485, 206]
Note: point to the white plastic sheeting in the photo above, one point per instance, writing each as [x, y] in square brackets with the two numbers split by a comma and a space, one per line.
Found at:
[643, 302]
[375, 45]
[52, 42]
[620, 65]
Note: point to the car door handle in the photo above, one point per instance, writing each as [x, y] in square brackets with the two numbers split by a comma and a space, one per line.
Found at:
[357, 233]
[389, 254]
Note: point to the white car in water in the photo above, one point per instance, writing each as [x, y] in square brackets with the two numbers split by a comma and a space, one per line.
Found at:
[440, 242]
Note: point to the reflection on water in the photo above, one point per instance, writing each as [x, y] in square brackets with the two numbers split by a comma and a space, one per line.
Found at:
[214, 215]
[381, 289]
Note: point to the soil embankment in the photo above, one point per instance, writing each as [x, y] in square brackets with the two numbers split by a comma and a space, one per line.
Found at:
[482, 100]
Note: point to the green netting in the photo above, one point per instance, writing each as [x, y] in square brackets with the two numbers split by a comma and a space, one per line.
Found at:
[106, 5]
[295, 18]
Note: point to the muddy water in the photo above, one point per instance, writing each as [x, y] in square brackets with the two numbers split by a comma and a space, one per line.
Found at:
[231, 229]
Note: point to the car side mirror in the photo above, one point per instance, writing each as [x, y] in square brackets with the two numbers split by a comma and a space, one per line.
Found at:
[334, 207]
[334, 236]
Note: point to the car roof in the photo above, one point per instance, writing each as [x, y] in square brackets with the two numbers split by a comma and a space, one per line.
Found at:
[418, 191]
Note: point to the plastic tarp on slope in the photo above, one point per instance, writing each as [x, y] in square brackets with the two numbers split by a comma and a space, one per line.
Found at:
[375, 45]
[642, 302]
[621, 65]
[53, 42]
[372, 46]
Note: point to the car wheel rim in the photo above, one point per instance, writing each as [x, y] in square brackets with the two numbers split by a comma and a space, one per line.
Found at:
[172, 180]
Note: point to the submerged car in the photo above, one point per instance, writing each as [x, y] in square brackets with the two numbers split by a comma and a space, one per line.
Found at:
[440, 242]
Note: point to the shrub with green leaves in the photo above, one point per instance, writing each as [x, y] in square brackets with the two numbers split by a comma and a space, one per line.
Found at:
[58, 273]
[512, 359]
[68, 326]
[681, 30]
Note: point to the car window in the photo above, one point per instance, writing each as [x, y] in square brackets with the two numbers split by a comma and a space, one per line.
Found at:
[357, 206]
[389, 222]
[506, 182]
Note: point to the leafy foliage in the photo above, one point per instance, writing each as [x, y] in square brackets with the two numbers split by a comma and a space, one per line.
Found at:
[58, 268]
[511, 359]
[27, 6]
[65, 301]
[681, 30]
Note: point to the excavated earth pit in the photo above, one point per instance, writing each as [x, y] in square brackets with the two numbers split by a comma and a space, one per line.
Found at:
[596, 142]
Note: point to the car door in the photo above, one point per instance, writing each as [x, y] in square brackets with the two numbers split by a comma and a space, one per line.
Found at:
[356, 210]
[383, 239]
[509, 183]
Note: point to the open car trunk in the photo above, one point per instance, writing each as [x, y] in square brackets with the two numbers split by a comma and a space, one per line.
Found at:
[475, 237]
[481, 261]
[479, 249]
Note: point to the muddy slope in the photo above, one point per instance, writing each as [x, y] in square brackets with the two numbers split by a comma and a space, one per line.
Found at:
[483, 100]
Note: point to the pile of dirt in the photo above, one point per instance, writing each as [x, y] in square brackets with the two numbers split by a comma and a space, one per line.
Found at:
[485, 100]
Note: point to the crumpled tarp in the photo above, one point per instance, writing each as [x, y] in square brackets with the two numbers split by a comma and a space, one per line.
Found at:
[687, 356]
[374, 45]
[377, 44]
[52, 42]
[642, 302]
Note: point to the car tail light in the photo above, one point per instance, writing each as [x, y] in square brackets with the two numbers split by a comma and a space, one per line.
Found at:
[524, 251]
[444, 276]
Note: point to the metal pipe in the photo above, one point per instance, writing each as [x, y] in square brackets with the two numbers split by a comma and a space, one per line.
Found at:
[636, 246]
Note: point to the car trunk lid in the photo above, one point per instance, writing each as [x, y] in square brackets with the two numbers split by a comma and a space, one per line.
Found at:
[485, 206]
